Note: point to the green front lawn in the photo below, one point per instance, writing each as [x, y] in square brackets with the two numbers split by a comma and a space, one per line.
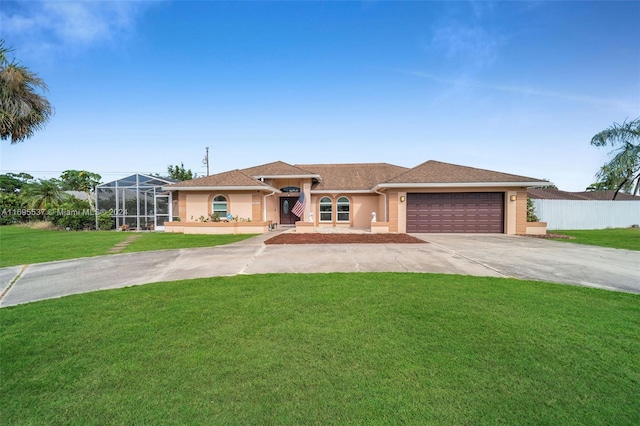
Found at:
[622, 238]
[378, 348]
[20, 245]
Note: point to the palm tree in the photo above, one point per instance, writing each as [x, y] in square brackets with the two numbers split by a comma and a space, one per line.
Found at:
[623, 168]
[44, 194]
[22, 109]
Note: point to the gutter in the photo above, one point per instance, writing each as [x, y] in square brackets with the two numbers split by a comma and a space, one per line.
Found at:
[219, 188]
[458, 185]
[385, 203]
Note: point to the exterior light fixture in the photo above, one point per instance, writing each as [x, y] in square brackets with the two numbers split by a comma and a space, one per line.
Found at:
[402, 198]
[513, 198]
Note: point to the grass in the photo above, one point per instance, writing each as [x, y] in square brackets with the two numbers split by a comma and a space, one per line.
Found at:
[379, 348]
[21, 245]
[161, 241]
[621, 238]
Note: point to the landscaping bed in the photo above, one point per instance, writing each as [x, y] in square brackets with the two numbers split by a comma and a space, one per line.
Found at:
[550, 235]
[320, 238]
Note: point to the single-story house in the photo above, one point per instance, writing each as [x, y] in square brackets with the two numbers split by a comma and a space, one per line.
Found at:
[431, 197]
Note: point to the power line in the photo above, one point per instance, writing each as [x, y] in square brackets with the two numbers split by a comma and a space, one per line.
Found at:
[61, 171]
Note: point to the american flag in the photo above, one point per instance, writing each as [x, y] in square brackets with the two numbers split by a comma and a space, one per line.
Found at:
[298, 209]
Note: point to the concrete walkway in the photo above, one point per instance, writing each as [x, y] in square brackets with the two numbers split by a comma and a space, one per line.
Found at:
[480, 255]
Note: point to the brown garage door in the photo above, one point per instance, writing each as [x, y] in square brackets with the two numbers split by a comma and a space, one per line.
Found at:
[456, 212]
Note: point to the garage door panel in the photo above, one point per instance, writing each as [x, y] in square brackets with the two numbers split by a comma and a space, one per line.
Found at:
[458, 212]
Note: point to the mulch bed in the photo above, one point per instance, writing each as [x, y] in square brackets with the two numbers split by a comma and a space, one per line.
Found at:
[318, 238]
[562, 236]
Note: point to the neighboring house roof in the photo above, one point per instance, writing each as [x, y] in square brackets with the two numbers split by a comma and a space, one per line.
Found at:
[438, 174]
[555, 194]
[279, 169]
[78, 194]
[232, 180]
[552, 194]
[608, 195]
[352, 177]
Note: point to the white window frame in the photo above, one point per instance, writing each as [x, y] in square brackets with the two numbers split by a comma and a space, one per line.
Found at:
[323, 202]
[226, 206]
[341, 203]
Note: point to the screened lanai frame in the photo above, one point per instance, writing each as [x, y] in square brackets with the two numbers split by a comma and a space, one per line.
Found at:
[136, 202]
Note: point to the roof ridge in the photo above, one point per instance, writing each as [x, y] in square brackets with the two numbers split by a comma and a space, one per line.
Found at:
[350, 164]
[276, 163]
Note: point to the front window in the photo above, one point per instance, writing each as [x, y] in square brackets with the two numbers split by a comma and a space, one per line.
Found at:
[343, 207]
[219, 206]
[326, 209]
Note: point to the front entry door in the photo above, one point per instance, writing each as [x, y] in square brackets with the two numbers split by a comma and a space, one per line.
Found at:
[286, 216]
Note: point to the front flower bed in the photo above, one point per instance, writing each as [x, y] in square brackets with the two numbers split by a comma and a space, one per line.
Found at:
[321, 238]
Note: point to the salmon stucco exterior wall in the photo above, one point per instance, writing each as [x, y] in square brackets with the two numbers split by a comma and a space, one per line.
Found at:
[182, 206]
[521, 212]
[360, 208]
[256, 207]
[393, 198]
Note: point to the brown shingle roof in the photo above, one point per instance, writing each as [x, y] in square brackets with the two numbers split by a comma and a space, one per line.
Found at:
[437, 172]
[608, 195]
[233, 178]
[355, 176]
[352, 177]
[552, 194]
[277, 168]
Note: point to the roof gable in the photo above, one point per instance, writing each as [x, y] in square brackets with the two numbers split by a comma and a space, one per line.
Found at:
[234, 178]
[352, 177]
[438, 172]
[277, 168]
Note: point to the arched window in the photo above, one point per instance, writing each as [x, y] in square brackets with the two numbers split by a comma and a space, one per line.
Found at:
[343, 208]
[219, 206]
[326, 209]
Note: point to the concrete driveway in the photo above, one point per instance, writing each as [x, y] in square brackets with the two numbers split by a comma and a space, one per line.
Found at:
[480, 255]
[545, 260]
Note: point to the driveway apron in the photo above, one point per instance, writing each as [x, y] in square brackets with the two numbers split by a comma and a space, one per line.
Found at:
[546, 260]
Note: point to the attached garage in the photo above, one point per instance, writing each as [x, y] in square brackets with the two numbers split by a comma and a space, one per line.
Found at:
[460, 212]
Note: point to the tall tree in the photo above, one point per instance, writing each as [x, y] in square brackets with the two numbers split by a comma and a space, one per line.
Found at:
[23, 110]
[179, 173]
[623, 168]
[13, 182]
[81, 180]
[44, 194]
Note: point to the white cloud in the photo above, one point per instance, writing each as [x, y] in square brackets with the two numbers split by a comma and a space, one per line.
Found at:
[528, 91]
[473, 46]
[63, 23]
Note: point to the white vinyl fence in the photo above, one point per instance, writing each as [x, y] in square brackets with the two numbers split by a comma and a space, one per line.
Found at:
[578, 214]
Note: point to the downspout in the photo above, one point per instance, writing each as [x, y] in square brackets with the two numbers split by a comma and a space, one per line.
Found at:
[385, 203]
[264, 206]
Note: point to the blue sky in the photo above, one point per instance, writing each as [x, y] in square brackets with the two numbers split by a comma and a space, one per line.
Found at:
[518, 87]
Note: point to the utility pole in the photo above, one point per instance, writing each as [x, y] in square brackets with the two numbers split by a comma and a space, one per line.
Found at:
[206, 159]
